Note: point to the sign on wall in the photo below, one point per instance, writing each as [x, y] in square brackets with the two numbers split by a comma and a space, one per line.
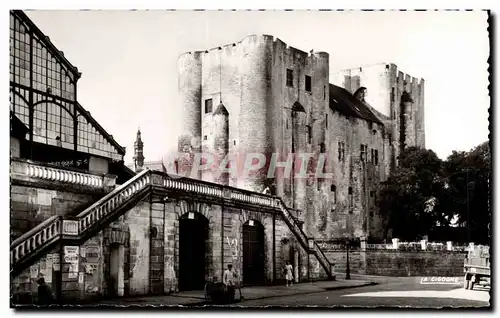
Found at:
[56, 264]
[71, 256]
[48, 267]
[34, 271]
[233, 244]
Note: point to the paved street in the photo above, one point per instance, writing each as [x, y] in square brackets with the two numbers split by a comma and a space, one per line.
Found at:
[360, 291]
[393, 292]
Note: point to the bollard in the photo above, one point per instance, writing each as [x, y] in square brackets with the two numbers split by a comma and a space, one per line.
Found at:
[395, 243]
[423, 244]
[449, 246]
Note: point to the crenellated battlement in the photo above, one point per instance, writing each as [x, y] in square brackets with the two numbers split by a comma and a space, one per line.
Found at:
[287, 49]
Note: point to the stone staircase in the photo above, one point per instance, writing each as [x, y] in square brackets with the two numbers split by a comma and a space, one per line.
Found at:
[65, 230]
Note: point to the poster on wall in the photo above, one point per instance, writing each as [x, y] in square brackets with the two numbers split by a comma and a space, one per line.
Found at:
[71, 256]
[233, 244]
[80, 278]
[48, 270]
[56, 264]
[43, 267]
[34, 271]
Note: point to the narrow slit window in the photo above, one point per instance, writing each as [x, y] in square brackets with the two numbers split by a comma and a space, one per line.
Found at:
[333, 189]
[308, 83]
[208, 106]
[289, 78]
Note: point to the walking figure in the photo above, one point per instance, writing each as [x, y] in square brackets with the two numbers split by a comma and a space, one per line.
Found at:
[45, 296]
[230, 281]
[289, 274]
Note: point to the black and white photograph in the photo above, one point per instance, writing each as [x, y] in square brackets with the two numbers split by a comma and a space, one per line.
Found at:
[239, 159]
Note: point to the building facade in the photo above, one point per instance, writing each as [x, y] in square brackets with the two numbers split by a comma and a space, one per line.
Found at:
[261, 96]
[94, 228]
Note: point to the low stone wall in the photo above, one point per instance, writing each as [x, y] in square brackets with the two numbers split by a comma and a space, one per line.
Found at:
[398, 259]
[415, 263]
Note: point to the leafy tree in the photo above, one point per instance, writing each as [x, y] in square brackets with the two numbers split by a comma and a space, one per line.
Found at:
[468, 179]
[424, 194]
[409, 200]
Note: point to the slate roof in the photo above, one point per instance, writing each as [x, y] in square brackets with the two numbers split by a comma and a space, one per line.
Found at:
[345, 103]
[221, 110]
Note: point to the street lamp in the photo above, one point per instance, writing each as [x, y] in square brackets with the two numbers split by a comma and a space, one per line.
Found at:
[347, 269]
[347, 243]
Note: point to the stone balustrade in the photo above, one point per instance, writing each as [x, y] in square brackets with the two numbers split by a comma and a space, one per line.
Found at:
[31, 170]
[106, 205]
[99, 210]
[34, 239]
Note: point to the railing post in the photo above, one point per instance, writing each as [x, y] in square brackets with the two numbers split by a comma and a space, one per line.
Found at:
[449, 246]
[423, 244]
[70, 227]
[395, 243]
[109, 181]
[19, 167]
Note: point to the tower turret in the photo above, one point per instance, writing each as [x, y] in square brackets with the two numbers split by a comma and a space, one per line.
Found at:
[138, 152]
[220, 142]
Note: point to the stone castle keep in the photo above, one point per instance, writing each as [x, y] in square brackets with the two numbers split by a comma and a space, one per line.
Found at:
[261, 96]
[95, 228]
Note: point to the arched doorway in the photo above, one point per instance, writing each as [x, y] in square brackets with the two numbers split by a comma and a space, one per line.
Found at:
[253, 253]
[193, 235]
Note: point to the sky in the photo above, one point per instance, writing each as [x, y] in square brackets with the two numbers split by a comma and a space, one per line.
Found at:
[128, 61]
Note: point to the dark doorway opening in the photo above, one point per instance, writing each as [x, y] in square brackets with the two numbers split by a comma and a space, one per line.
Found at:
[116, 270]
[193, 235]
[253, 253]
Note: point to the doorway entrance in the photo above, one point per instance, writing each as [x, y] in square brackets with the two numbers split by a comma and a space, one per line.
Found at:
[116, 271]
[253, 253]
[193, 235]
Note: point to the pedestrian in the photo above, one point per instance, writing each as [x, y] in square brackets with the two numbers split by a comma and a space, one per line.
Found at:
[289, 274]
[45, 296]
[229, 281]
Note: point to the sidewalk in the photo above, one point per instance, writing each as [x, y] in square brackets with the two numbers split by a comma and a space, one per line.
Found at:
[194, 298]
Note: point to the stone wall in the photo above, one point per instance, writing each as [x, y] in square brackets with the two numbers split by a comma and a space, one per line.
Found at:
[415, 263]
[387, 261]
[29, 205]
[331, 213]
[250, 79]
[145, 238]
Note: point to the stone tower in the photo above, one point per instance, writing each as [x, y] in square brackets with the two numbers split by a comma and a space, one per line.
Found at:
[138, 152]
[397, 96]
[278, 105]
